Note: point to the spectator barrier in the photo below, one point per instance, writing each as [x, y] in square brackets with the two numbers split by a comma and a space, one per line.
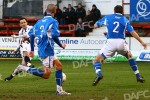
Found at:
[78, 49]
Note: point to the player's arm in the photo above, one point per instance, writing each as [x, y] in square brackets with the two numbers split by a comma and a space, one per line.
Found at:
[19, 36]
[55, 34]
[100, 22]
[14, 36]
[16, 49]
[32, 36]
[24, 35]
[62, 45]
[135, 35]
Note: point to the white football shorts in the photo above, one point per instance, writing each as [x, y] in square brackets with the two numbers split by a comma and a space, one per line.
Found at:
[114, 45]
[25, 46]
[49, 61]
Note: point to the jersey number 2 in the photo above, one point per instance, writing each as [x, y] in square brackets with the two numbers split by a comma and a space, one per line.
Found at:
[116, 27]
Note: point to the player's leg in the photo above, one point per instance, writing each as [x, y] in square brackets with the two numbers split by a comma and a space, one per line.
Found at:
[134, 67]
[45, 73]
[58, 75]
[97, 66]
[106, 51]
[24, 48]
[27, 59]
[14, 73]
[126, 52]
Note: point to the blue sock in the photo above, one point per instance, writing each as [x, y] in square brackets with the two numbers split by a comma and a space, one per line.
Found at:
[58, 75]
[134, 67]
[36, 72]
[97, 67]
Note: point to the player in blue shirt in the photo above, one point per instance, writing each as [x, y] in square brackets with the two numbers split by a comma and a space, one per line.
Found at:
[46, 30]
[116, 25]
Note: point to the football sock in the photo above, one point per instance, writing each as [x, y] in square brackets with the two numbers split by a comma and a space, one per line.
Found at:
[27, 60]
[36, 72]
[16, 72]
[134, 67]
[58, 76]
[97, 67]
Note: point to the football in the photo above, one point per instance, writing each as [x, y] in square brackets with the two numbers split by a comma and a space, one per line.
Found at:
[64, 76]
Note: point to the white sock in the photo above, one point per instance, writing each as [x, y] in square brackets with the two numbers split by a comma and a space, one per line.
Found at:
[20, 68]
[28, 64]
[59, 88]
[15, 71]
[24, 68]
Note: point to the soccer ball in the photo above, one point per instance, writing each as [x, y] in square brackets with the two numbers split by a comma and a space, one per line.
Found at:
[64, 77]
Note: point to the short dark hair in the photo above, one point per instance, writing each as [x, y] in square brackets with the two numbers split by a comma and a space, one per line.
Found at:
[22, 18]
[118, 9]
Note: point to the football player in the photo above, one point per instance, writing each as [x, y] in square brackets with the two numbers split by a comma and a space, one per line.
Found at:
[24, 46]
[116, 25]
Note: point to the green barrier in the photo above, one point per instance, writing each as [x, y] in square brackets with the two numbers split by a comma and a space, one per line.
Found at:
[35, 58]
[114, 58]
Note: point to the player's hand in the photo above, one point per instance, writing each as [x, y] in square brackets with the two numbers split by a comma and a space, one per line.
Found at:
[95, 26]
[31, 54]
[144, 45]
[63, 45]
[14, 36]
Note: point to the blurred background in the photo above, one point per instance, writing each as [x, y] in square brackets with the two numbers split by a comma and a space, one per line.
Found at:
[76, 19]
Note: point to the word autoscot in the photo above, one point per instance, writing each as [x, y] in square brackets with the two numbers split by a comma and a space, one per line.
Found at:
[83, 41]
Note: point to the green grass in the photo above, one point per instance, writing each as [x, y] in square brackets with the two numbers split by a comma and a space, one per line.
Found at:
[118, 80]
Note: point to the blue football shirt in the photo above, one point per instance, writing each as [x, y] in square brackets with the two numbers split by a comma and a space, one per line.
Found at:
[116, 25]
[45, 30]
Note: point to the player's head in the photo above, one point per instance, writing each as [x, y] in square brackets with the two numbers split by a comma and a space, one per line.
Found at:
[23, 22]
[118, 9]
[51, 9]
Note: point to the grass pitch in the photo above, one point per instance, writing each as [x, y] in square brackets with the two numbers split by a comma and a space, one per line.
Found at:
[118, 81]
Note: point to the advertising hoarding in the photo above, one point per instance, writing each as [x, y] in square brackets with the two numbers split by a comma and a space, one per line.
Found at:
[78, 48]
[140, 10]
